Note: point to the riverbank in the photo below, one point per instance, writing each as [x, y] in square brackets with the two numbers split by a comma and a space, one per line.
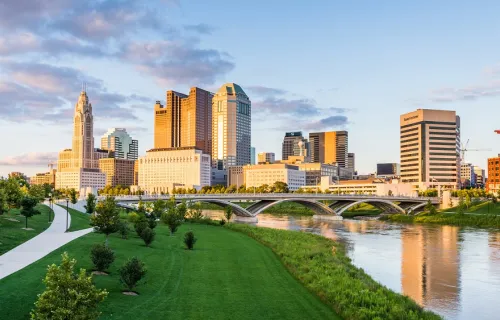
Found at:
[322, 266]
[12, 222]
[453, 219]
[227, 276]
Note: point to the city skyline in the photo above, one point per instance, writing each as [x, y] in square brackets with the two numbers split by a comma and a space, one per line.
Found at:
[361, 81]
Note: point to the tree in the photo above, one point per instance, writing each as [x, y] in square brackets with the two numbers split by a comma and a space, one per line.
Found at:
[461, 206]
[189, 240]
[467, 201]
[102, 257]
[37, 191]
[141, 223]
[4, 207]
[28, 207]
[174, 216]
[106, 217]
[68, 295]
[91, 202]
[228, 213]
[450, 204]
[132, 272]
[280, 187]
[195, 211]
[390, 193]
[148, 235]
[429, 207]
[72, 196]
[14, 193]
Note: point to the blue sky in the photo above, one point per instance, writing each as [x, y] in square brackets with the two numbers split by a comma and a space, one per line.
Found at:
[310, 66]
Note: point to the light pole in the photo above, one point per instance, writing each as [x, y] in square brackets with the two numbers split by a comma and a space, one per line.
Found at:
[67, 212]
[50, 205]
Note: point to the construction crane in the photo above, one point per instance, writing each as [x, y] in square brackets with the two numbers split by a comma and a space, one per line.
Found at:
[464, 149]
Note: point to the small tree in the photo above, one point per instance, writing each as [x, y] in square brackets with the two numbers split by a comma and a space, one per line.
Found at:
[429, 207]
[195, 211]
[4, 206]
[72, 196]
[189, 240]
[68, 295]
[148, 235]
[151, 220]
[450, 204]
[172, 219]
[28, 208]
[132, 272]
[102, 257]
[228, 213]
[91, 203]
[106, 218]
[467, 201]
[123, 229]
[389, 193]
[141, 224]
[461, 206]
[37, 191]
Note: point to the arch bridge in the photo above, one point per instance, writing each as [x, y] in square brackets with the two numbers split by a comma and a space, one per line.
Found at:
[321, 204]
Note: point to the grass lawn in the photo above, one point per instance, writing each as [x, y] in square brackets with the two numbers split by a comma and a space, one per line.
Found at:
[452, 219]
[11, 234]
[228, 276]
[79, 220]
[485, 207]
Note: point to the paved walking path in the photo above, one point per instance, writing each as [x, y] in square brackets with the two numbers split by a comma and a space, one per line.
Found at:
[41, 245]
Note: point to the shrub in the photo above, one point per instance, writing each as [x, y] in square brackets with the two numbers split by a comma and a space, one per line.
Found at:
[172, 219]
[132, 217]
[152, 221]
[102, 257]
[228, 213]
[132, 272]
[141, 224]
[189, 240]
[222, 222]
[68, 295]
[148, 235]
[123, 229]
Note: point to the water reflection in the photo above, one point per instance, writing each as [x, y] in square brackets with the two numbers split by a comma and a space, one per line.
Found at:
[452, 271]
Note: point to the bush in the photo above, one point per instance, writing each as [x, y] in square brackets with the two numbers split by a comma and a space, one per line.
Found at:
[173, 219]
[68, 295]
[132, 272]
[141, 224]
[228, 213]
[102, 257]
[152, 221]
[189, 240]
[133, 217]
[148, 235]
[123, 229]
[222, 222]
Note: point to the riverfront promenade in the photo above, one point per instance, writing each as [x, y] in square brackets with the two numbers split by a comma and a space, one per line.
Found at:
[41, 245]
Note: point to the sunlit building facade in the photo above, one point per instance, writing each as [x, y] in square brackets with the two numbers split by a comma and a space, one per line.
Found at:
[258, 175]
[120, 143]
[329, 147]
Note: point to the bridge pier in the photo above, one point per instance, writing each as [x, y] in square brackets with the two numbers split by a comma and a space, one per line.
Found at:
[245, 219]
[324, 217]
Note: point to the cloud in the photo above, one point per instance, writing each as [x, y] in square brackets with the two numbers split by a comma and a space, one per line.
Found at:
[178, 62]
[30, 159]
[327, 123]
[200, 28]
[41, 92]
[265, 91]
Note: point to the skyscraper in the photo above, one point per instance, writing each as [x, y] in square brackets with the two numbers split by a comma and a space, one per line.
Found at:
[294, 144]
[78, 168]
[430, 148]
[252, 155]
[351, 162]
[121, 143]
[329, 147]
[185, 120]
[231, 127]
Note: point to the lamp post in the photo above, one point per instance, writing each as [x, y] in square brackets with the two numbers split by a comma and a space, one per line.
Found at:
[67, 212]
[50, 205]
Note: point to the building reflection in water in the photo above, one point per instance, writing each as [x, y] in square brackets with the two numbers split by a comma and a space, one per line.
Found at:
[430, 266]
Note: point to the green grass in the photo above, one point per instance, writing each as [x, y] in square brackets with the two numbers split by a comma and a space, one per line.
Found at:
[11, 234]
[323, 267]
[484, 207]
[227, 276]
[79, 220]
[453, 219]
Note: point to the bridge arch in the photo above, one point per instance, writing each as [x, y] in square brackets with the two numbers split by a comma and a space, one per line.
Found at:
[317, 207]
[239, 211]
[384, 205]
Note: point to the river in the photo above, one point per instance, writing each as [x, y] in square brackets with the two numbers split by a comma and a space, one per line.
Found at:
[452, 271]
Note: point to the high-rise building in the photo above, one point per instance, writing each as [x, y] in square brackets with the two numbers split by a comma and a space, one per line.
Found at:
[479, 177]
[119, 172]
[185, 120]
[294, 144]
[120, 143]
[493, 183]
[351, 163]
[266, 157]
[467, 175]
[252, 155]
[78, 168]
[388, 169]
[329, 147]
[430, 148]
[161, 170]
[231, 127]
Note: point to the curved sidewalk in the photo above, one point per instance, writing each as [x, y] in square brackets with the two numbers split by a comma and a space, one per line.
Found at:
[41, 245]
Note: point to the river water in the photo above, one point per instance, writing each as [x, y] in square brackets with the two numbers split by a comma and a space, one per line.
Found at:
[452, 271]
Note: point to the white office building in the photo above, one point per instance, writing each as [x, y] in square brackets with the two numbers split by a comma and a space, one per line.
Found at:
[258, 175]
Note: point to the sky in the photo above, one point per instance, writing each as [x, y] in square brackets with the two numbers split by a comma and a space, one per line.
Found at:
[306, 66]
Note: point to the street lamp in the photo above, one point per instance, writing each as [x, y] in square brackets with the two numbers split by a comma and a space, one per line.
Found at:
[50, 204]
[67, 212]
